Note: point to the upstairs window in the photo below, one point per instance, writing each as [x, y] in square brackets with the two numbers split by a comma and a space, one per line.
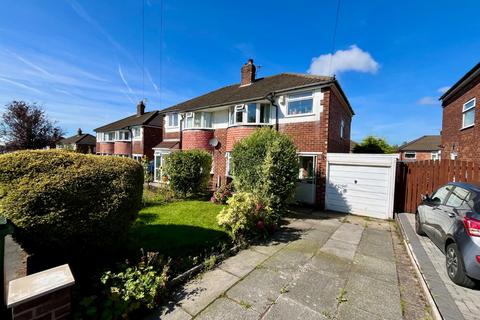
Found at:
[300, 103]
[137, 132]
[173, 120]
[239, 114]
[342, 129]
[109, 136]
[264, 113]
[198, 120]
[123, 135]
[252, 113]
[469, 113]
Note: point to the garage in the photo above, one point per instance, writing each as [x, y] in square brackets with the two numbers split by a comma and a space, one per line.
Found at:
[361, 184]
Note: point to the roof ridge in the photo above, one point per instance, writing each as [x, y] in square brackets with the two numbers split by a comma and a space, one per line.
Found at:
[416, 140]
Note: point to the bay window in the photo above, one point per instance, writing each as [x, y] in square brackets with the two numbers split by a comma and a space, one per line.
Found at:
[469, 113]
[264, 113]
[198, 120]
[300, 103]
[252, 113]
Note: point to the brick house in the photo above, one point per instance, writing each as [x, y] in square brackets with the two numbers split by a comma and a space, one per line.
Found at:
[81, 142]
[312, 110]
[461, 123]
[423, 148]
[133, 136]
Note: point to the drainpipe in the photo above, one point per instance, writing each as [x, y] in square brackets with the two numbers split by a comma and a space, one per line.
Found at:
[131, 141]
[181, 115]
[271, 97]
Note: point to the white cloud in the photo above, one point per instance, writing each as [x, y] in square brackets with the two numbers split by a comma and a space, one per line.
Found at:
[442, 90]
[353, 59]
[427, 101]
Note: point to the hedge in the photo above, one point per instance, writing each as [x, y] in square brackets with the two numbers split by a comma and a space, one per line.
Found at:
[67, 201]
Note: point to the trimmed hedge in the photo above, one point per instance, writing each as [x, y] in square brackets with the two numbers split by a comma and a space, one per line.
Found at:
[67, 201]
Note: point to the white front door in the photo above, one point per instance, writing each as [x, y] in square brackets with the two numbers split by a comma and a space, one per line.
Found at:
[306, 183]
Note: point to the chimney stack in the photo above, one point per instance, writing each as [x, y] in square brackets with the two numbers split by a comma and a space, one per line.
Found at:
[248, 73]
[79, 131]
[140, 108]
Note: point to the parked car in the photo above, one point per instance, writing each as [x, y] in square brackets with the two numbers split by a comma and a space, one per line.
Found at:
[450, 217]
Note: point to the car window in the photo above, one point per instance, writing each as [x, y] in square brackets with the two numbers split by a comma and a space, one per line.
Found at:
[441, 194]
[457, 198]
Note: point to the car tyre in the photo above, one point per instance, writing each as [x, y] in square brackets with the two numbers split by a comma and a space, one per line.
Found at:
[418, 225]
[456, 268]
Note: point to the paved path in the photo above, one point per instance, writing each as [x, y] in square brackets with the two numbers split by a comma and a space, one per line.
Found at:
[467, 300]
[322, 267]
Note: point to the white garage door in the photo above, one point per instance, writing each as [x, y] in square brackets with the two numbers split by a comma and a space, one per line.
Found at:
[361, 184]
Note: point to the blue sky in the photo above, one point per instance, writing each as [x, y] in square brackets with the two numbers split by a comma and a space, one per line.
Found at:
[82, 59]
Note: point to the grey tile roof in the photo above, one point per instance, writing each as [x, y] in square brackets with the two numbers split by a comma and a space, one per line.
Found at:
[259, 89]
[130, 121]
[424, 143]
[168, 145]
[85, 138]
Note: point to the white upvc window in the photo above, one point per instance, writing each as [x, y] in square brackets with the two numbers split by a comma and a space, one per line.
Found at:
[109, 136]
[468, 113]
[100, 137]
[436, 155]
[410, 155]
[201, 120]
[123, 135]
[137, 157]
[342, 129]
[300, 103]
[251, 113]
[228, 157]
[172, 120]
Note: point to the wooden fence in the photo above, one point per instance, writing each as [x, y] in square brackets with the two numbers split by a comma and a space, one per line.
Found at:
[423, 177]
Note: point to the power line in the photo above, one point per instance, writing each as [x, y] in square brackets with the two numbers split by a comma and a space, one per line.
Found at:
[162, 24]
[143, 49]
[334, 37]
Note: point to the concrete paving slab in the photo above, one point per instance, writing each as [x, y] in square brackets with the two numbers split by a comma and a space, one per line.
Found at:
[317, 291]
[376, 296]
[376, 268]
[226, 309]
[260, 288]
[382, 251]
[348, 232]
[171, 312]
[377, 237]
[243, 263]
[340, 249]
[198, 294]
[287, 260]
[348, 312]
[285, 308]
[330, 264]
[268, 248]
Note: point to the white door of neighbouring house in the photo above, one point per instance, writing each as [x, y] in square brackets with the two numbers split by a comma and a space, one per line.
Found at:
[362, 184]
[306, 183]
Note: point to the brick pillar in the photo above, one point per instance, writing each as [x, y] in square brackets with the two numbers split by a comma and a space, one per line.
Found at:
[42, 295]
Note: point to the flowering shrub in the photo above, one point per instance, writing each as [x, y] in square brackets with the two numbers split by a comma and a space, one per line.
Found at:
[222, 194]
[246, 215]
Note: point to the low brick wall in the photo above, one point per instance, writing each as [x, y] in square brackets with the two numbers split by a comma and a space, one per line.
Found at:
[55, 305]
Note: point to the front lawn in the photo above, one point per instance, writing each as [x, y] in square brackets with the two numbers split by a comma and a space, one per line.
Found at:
[179, 228]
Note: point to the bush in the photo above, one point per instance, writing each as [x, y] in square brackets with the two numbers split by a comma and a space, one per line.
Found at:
[247, 215]
[222, 194]
[188, 171]
[69, 202]
[265, 163]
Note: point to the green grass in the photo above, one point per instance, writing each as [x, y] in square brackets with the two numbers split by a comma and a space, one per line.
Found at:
[178, 228]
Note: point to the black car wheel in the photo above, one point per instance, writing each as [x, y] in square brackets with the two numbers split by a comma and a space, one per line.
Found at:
[455, 267]
[418, 225]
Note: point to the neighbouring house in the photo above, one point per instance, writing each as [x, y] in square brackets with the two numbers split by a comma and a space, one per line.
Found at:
[461, 124]
[313, 110]
[133, 136]
[81, 142]
[423, 148]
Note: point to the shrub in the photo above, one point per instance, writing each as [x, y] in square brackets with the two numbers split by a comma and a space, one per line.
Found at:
[246, 215]
[188, 171]
[222, 194]
[265, 163]
[69, 202]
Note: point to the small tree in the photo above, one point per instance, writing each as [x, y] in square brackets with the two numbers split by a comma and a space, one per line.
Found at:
[26, 126]
[372, 144]
[188, 171]
[265, 163]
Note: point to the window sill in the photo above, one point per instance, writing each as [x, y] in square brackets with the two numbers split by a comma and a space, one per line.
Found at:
[467, 127]
[299, 115]
[199, 128]
[248, 124]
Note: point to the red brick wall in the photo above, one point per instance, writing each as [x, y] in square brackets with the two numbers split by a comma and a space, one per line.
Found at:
[307, 136]
[122, 147]
[197, 139]
[105, 147]
[237, 133]
[219, 160]
[466, 141]
[337, 113]
[54, 306]
[151, 137]
[420, 155]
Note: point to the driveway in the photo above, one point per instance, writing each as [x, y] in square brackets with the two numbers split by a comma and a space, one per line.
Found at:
[453, 301]
[320, 266]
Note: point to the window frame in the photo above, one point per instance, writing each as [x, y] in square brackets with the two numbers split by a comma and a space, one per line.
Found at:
[290, 99]
[203, 123]
[467, 111]
[228, 158]
[342, 129]
[414, 155]
[243, 109]
[170, 116]
[436, 154]
[118, 134]
[134, 130]
[106, 137]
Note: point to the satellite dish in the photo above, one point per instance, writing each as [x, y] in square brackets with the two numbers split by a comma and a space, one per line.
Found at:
[213, 142]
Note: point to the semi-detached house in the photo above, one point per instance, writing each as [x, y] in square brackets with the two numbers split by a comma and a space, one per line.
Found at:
[312, 110]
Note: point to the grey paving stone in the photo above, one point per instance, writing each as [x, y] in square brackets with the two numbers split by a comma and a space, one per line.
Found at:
[243, 263]
[376, 268]
[384, 252]
[171, 312]
[377, 237]
[306, 245]
[330, 264]
[286, 259]
[198, 294]
[347, 312]
[320, 236]
[268, 248]
[285, 308]
[348, 232]
[340, 249]
[318, 291]
[376, 296]
[260, 288]
[226, 309]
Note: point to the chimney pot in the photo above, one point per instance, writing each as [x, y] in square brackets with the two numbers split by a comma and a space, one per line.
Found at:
[79, 131]
[140, 108]
[248, 71]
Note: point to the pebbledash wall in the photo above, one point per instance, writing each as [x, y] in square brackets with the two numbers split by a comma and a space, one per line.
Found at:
[315, 134]
[465, 142]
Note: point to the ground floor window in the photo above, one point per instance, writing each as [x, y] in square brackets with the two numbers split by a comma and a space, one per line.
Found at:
[436, 155]
[410, 155]
[137, 157]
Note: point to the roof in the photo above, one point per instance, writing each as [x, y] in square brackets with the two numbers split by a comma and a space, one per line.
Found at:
[259, 89]
[168, 145]
[84, 138]
[462, 82]
[130, 121]
[424, 143]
